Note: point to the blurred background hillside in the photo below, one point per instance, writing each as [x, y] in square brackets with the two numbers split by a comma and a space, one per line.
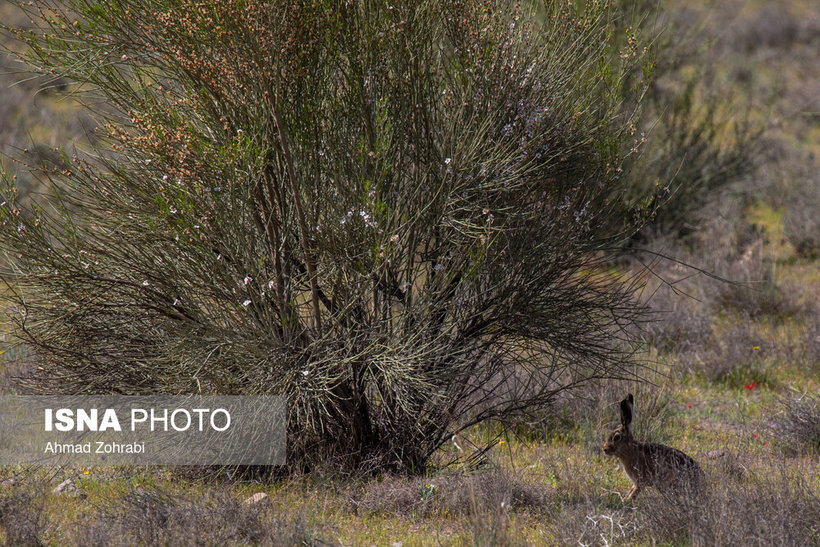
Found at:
[37, 114]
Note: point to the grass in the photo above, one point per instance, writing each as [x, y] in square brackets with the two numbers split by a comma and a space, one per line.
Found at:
[558, 489]
[552, 491]
[550, 484]
[733, 369]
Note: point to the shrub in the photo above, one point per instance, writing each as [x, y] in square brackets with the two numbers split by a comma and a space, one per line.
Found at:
[811, 343]
[679, 322]
[697, 147]
[33, 105]
[383, 212]
[22, 518]
[772, 27]
[800, 222]
[735, 355]
[753, 290]
[800, 423]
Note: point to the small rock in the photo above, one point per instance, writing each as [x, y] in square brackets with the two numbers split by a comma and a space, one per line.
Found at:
[257, 499]
[63, 486]
[715, 454]
[67, 488]
[8, 483]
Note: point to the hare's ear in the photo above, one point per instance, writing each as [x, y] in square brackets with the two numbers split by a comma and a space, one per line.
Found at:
[626, 411]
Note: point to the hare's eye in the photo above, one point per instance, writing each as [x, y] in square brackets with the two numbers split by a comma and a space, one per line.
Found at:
[617, 437]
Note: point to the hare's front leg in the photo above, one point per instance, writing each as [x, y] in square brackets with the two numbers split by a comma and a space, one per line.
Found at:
[633, 492]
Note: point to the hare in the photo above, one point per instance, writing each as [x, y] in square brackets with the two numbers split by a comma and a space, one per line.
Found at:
[651, 464]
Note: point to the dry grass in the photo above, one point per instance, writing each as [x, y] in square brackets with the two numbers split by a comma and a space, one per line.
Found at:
[747, 503]
[759, 510]
[22, 517]
[553, 491]
[800, 422]
[738, 353]
[801, 222]
[159, 516]
[679, 324]
[454, 494]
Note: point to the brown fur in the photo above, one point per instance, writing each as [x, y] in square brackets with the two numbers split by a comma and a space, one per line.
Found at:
[650, 464]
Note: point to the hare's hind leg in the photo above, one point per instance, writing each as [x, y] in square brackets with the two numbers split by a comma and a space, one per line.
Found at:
[633, 492]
